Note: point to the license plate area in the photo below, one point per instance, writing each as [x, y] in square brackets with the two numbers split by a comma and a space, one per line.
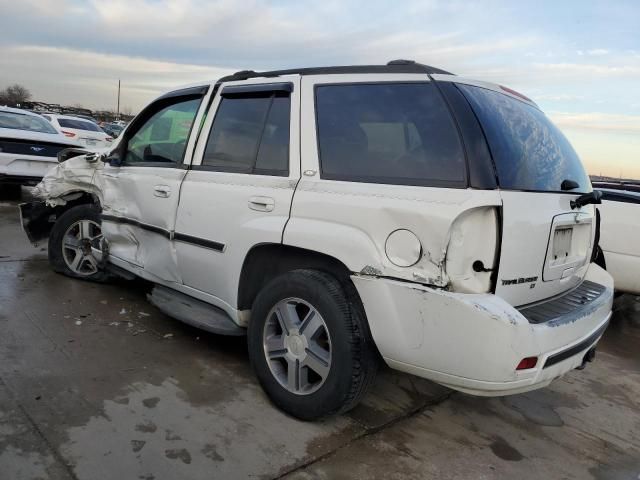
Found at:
[561, 245]
[569, 246]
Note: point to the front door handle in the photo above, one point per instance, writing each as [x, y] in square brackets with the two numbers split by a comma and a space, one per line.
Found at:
[262, 204]
[162, 191]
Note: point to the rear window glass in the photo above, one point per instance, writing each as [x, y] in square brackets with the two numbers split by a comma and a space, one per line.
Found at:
[30, 123]
[529, 151]
[78, 124]
[396, 133]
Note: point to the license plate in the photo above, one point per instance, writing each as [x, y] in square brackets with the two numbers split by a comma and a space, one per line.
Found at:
[91, 142]
[562, 243]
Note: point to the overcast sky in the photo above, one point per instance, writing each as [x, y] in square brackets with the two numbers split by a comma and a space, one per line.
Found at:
[578, 59]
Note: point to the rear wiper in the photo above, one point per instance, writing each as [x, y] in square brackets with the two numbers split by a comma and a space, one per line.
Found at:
[594, 197]
[568, 185]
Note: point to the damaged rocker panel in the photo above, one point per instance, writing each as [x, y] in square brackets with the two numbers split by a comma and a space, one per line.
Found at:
[179, 237]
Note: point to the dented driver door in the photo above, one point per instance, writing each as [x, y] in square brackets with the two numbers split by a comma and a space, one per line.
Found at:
[141, 184]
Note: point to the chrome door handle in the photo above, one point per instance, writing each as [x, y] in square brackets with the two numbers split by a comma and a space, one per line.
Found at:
[162, 191]
[262, 204]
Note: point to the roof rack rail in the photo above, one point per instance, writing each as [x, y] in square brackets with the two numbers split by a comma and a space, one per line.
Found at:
[394, 66]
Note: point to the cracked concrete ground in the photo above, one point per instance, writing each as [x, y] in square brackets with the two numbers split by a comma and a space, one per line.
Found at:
[95, 383]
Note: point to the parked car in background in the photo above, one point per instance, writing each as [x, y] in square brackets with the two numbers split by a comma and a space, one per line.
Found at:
[83, 116]
[342, 214]
[29, 146]
[619, 241]
[85, 132]
[113, 129]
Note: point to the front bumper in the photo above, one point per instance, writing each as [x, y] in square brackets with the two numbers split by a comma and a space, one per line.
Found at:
[473, 342]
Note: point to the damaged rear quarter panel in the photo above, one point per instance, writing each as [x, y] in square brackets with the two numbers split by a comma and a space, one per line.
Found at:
[351, 221]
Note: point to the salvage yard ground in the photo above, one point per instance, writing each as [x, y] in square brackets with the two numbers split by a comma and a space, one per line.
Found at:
[95, 383]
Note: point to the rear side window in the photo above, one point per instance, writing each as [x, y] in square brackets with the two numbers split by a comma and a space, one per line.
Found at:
[396, 133]
[250, 135]
[78, 125]
[529, 151]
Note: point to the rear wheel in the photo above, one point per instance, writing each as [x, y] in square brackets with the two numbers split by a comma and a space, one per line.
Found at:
[309, 345]
[73, 237]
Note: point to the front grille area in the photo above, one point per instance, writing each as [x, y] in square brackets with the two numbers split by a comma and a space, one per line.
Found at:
[30, 147]
[568, 307]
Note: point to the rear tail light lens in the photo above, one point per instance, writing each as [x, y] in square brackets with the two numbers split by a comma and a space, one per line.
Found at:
[68, 134]
[527, 363]
[109, 139]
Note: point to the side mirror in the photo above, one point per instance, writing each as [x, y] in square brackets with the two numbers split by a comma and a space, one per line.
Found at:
[67, 153]
[114, 159]
[94, 157]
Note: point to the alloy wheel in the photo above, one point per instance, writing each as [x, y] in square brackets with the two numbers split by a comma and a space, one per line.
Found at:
[77, 243]
[297, 346]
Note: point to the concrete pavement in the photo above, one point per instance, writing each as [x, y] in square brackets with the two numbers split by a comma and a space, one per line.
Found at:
[95, 383]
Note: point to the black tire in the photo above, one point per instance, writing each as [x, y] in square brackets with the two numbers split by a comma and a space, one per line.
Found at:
[10, 191]
[62, 224]
[354, 358]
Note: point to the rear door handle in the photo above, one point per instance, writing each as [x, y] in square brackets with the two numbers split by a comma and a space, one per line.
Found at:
[262, 204]
[162, 191]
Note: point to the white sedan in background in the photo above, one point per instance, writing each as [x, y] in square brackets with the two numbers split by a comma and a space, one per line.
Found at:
[620, 238]
[83, 131]
[29, 146]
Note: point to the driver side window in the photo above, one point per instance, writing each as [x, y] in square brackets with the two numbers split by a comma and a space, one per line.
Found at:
[163, 137]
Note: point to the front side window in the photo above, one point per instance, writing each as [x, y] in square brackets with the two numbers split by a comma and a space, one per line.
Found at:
[396, 133]
[529, 151]
[250, 135]
[163, 137]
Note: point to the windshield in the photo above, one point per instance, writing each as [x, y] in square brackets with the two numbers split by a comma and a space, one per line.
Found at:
[529, 151]
[21, 121]
[78, 124]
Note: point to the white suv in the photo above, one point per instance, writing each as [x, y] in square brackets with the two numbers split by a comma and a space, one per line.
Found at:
[342, 214]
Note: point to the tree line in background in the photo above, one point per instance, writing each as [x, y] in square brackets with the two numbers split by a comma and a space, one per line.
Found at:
[14, 95]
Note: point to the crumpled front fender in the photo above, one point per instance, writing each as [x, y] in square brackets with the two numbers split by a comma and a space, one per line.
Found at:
[72, 176]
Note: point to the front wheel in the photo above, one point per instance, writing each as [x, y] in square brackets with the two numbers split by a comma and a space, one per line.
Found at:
[73, 237]
[309, 345]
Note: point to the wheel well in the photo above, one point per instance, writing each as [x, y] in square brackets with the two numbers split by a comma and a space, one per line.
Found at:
[265, 262]
[41, 218]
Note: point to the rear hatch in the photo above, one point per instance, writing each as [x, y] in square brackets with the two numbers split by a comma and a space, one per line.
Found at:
[546, 245]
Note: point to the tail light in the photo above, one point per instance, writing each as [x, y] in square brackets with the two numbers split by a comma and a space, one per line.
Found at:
[109, 139]
[68, 134]
[527, 363]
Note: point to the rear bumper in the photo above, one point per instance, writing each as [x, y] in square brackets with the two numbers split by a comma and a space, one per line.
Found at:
[473, 343]
[19, 180]
[24, 169]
